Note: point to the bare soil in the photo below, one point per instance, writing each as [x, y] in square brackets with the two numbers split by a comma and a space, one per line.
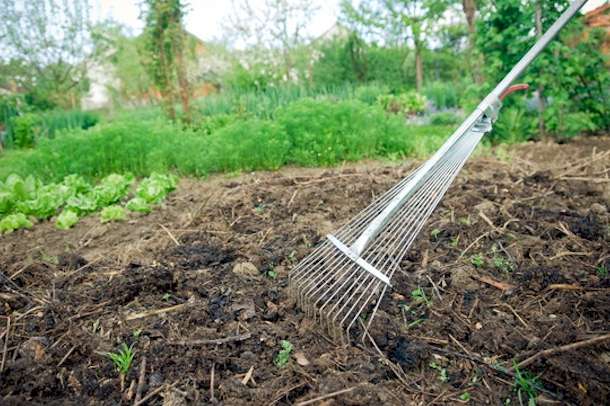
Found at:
[511, 264]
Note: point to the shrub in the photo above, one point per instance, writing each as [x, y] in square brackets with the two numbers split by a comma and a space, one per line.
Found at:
[370, 93]
[26, 129]
[247, 145]
[405, 103]
[445, 118]
[326, 132]
[444, 95]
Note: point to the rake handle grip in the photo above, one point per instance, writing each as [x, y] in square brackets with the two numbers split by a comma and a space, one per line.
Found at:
[512, 89]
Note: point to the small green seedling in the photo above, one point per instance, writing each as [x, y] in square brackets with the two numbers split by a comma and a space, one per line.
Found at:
[434, 234]
[465, 221]
[442, 372]
[455, 241]
[502, 264]
[137, 333]
[465, 396]
[602, 272]
[271, 273]
[526, 384]
[477, 260]
[419, 296]
[282, 358]
[166, 297]
[122, 358]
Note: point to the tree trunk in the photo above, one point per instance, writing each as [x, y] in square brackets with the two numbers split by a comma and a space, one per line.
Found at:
[166, 89]
[470, 11]
[539, 90]
[419, 68]
[184, 87]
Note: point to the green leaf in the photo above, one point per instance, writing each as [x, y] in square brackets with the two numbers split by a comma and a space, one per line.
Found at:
[282, 358]
[139, 205]
[156, 187]
[82, 204]
[66, 219]
[113, 213]
[111, 189]
[14, 222]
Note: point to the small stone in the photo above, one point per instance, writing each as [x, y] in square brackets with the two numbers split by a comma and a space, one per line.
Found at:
[598, 209]
[301, 359]
[246, 269]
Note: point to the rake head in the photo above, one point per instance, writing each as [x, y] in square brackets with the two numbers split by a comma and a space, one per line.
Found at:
[341, 283]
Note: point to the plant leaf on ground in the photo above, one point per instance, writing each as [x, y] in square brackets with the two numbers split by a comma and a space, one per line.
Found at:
[122, 358]
[282, 358]
[66, 219]
[14, 222]
[113, 213]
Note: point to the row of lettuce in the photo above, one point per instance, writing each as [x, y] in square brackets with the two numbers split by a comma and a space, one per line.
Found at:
[24, 201]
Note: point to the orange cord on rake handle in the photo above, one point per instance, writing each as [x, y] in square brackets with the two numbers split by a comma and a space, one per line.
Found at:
[514, 88]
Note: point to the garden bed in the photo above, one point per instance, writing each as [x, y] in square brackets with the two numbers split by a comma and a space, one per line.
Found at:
[513, 262]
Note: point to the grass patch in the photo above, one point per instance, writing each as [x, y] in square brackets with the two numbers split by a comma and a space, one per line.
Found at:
[307, 133]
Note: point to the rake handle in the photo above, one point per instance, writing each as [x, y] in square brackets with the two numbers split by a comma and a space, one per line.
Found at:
[488, 107]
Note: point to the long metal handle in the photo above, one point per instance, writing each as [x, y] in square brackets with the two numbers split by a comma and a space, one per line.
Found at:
[488, 106]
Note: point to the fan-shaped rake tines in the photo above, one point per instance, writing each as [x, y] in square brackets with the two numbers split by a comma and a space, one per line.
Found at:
[336, 285]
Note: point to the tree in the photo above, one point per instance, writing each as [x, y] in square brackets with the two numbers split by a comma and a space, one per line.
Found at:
[274, 28]
[398, 21]
[571, 72]
[49, 41]
[164, 54]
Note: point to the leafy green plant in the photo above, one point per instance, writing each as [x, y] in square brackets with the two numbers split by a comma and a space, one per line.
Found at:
[82, 204]
[445, 118]
[435, 233]
[66, 219]
[26, 129]
[465, 396]
[112, 213]
[502, 264]
[477, 260]
[14, 222]
[442, 372]
[154, 188]
[283, 356]
[111, 189]
[526, 384]
[122, 359]
[139, 204]
[419, 296]
[404, 103]
[602, 271]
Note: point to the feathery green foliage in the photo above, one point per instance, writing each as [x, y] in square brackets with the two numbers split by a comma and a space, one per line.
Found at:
[122, 359]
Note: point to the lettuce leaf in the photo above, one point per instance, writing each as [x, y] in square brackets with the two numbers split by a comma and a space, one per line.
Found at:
[14, 222]
[66, 219]
[113, 213]
[139, 205]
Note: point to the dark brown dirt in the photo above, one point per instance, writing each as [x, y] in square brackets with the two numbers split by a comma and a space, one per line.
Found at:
[511, 263]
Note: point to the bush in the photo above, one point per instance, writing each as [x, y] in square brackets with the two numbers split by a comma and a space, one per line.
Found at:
[442, 95]
[409, 103]
[514, 124]
[370, 93]
[445, 118]
[324, 132]
[26, 129]
[307, 132]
